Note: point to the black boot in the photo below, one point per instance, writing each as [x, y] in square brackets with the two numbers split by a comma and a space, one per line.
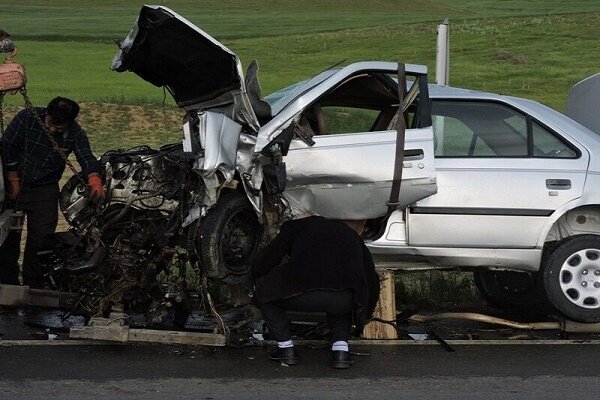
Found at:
[341, 359]
[286, 355]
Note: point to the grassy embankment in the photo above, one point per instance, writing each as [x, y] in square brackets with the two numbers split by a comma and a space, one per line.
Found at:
[535, 49]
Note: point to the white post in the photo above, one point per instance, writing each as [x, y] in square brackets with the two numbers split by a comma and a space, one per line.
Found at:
[442, 62]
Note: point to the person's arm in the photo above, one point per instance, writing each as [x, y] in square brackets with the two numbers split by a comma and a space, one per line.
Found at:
[273, 253]
[83, 152]
[89, 164]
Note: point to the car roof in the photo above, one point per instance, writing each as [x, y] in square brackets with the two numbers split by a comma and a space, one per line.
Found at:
[441, 91]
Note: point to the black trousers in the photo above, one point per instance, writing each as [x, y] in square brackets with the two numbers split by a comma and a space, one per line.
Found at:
[40, 205]
[338, 304]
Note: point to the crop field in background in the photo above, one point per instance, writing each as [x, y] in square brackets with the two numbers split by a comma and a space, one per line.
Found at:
[535, 49]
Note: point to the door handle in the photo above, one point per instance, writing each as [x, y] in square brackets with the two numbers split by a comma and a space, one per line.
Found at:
[558, 184]
[413, 154]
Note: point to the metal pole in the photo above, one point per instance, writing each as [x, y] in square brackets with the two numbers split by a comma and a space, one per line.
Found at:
[442, 63]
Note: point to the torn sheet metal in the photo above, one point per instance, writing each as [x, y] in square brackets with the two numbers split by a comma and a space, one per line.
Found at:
[218, 136]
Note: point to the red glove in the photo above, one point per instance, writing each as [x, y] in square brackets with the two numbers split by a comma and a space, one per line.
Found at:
[96, 188]
[15, 185]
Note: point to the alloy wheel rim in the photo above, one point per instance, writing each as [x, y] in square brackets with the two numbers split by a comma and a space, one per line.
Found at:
[580, 278]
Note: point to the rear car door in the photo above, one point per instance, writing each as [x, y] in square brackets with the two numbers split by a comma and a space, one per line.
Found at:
[501, 174]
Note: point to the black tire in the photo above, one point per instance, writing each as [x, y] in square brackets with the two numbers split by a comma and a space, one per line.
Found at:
[228, 238]
[511, 290]
[572, 278]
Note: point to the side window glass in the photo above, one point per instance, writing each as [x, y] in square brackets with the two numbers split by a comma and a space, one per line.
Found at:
[452, 138]
[483, 129]
[545, 144]
[348, 119]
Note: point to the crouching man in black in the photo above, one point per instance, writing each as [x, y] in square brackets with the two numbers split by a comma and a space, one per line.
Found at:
[329, 270]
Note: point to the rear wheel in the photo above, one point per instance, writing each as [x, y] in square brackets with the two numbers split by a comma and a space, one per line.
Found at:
[510, 290]
[228, 238]
[572, 278]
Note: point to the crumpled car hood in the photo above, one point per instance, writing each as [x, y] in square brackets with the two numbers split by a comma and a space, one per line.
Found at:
[165, 49]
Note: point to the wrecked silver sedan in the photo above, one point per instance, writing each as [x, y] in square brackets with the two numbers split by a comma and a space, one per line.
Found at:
[513, 182]
[245, 165]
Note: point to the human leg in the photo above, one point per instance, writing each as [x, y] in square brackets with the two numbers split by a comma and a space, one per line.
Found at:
[9, 254]
[277, 323]
[339, 306]
[41, 207]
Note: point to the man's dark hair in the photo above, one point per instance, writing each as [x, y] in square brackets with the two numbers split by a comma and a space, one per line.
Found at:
[62, 110]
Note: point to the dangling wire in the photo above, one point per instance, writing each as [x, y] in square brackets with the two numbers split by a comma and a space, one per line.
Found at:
[164, 112]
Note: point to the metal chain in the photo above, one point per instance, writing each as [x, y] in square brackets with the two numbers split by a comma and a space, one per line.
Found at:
[55, 146]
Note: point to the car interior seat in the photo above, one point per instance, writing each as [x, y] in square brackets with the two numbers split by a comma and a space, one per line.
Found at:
[261, 108]
[313, 120]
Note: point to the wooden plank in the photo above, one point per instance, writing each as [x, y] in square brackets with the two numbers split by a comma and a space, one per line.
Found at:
[125, 334]
[177, 337]
[386, 310]
[14, 295]
[17, 295]
[111, 333]
[51, 298]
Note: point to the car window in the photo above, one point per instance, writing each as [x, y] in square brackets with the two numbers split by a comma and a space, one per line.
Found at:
[490, 129]
[545, 144]
[366, 102]
[349, 119]
[455, 139]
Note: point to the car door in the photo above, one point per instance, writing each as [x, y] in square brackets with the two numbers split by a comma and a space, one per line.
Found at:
[349, 176]
[501, 174]
[347, 173]
[338, 132]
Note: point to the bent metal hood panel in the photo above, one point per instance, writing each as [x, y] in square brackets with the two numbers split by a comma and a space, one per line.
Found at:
[166, 49]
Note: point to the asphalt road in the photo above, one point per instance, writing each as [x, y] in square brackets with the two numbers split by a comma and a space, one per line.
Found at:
[387, 372]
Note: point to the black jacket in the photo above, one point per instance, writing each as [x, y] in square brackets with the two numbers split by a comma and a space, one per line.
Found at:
[321, 254]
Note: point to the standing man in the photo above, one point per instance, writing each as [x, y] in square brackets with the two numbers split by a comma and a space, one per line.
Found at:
[33, 169]
[329, 270]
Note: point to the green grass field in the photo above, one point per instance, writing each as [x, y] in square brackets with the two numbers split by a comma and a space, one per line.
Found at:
[535, 49]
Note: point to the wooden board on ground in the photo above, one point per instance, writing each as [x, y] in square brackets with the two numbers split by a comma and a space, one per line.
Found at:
[17, 295]
[125, 334]
[386, 310]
